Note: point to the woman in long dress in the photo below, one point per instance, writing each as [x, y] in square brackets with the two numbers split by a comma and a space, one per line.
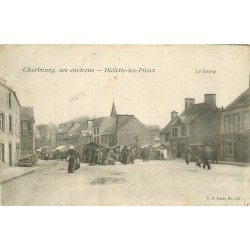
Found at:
[72, 157]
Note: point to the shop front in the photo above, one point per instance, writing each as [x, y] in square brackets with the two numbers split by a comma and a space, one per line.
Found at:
[230, 147]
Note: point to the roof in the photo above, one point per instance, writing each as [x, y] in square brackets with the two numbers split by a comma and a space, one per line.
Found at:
[116, 127]
[241, 101]
[75, 127]
[168, 126]
[159, 146]
[188, 115]
[65, 128]
[26, 113]
[3, 82]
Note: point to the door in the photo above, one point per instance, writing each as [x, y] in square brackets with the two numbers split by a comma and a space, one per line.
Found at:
[235, 147]
[10, 154]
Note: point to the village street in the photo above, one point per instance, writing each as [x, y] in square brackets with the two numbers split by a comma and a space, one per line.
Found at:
[149, 183]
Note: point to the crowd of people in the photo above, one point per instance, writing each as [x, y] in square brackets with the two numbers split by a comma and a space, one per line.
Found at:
[203, 155]
[125, 155]
[108, 156]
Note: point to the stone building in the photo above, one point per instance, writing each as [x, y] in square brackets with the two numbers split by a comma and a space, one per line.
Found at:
[196, 125]
[121, 130]
[126, 130]
[235, 129]
[9, 125]
[27, 121]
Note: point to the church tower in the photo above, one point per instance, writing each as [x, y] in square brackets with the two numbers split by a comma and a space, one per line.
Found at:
[113, 111]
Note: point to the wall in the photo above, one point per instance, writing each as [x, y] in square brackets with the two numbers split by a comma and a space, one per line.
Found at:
[126, 135]
[6, 137]
[27, 141]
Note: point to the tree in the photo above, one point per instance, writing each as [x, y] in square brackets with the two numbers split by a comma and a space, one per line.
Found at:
[43, 132]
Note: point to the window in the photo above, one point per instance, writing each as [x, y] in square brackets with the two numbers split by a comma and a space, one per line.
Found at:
[167, 136]
[236, 123]
[246, 121]
[228, 149]
[8, 99]
[98, 130]
[25, 128]
[227, 124]
[1, 152]
[183, 131]
[2, 122]
[174, 132]
[10, 124]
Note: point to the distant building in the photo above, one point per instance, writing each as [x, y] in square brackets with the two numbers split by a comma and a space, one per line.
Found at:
[81, 134]
[197, 124]
[235, 129]
[121, 130]
[155, 136]
[110, 131]
[9, 125]
[62, 134]
[99, 126]
[27, 130]
[126, 130]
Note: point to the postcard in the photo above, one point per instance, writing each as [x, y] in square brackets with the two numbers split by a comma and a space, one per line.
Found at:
[125, 125]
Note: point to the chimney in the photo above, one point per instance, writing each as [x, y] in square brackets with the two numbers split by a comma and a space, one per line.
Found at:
[210, 99]
[189, 102]
[174, 114]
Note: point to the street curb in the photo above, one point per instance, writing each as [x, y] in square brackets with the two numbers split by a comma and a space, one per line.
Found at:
[15, 177]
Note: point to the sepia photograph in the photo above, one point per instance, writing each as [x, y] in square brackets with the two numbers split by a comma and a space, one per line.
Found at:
[125, 125]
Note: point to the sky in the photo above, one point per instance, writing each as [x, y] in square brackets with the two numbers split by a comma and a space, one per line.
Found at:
[178, 74]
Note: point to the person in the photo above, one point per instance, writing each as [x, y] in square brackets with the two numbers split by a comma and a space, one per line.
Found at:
[100, 156]
[132, 156]
[188, 155]
[206, 156]
[214, 153]
[117, 154]
[124, 155]
[143, 154]
[128, 155]
[199, 156]
[162, 155]
[72, 157]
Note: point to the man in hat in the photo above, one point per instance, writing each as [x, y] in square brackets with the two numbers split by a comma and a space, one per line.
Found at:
[206, 156]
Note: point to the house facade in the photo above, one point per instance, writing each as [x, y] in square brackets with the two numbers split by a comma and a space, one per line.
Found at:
[9, 125]
[235, 129]
[196, 125]
[62, 134]
[27, 121]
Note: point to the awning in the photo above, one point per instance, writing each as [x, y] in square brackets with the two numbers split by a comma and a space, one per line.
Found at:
[62, 148]
[146, 146]
[159, 146]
